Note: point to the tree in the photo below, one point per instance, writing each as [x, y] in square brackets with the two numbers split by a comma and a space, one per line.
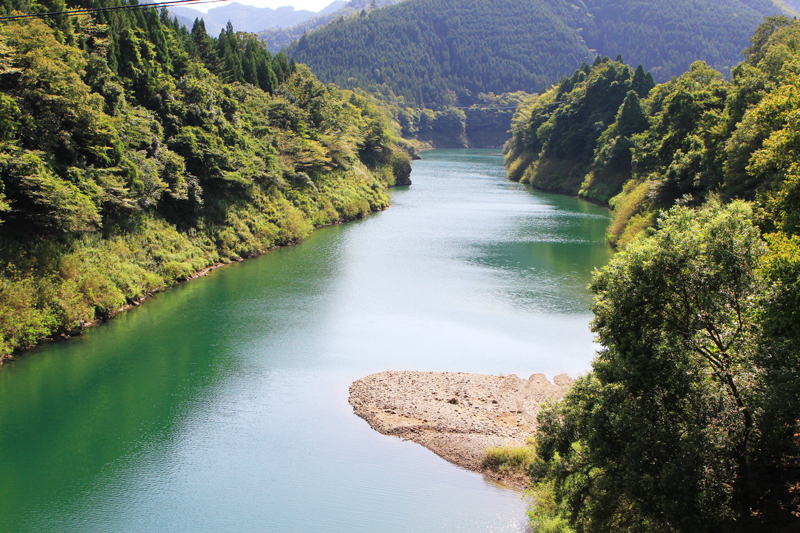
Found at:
[229, 55]
[758, 43]
[641, 83]
[777, 160]
[631, 117]
[203, 44]
[679, 151]
[670, 429]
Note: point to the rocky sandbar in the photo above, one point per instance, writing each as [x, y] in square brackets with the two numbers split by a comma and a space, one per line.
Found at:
[456, 415]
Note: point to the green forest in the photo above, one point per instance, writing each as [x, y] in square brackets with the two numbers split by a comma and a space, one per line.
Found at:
[135, 153]
[445, 52]
[439, 53]
[448, 55]
[689, 419]
[484, 124]
[666, 37]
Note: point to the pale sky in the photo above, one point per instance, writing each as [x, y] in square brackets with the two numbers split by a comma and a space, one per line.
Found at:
[311, 5]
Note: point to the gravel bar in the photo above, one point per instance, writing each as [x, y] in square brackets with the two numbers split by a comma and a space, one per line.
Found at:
[456, 415]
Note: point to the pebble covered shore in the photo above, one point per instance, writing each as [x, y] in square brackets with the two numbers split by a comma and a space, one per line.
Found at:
[455, 415]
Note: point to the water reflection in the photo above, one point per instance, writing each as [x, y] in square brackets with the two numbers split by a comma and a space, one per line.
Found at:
[74, 414]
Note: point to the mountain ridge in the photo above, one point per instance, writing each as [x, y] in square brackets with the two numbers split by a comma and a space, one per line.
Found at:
[471, 46]
[243, 17]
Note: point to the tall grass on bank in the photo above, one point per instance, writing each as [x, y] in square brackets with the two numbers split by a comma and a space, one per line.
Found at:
[505, 459]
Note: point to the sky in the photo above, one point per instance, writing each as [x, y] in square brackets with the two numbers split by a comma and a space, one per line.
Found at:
[311, 5]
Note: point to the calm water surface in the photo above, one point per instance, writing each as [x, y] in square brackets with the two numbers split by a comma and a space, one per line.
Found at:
[221, 405]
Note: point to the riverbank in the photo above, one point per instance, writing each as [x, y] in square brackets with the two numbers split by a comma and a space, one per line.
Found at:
[132, 304]
[456, 415]
[152, 283]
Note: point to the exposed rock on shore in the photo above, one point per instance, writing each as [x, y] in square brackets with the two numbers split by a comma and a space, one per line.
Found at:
[455, 415]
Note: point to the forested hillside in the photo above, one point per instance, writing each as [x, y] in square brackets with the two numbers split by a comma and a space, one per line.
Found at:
[574, 137]
[443, 52]
[688, 421]
[666, 36]
[793, 4]
[484, 124]
[608, 135]
[439, 52]
[134, 153]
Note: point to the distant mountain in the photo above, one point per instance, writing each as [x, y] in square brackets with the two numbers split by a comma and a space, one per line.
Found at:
[186, 21]
[333, 7]
[278, 38]
[438, 52]
[244, 18]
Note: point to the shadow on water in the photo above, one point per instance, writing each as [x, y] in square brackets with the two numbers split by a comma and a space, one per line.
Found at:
[76, 415]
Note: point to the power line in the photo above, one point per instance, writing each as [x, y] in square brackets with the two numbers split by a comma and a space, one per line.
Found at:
[87, 10]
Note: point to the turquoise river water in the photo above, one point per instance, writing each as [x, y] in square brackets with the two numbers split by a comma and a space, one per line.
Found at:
[221, 405]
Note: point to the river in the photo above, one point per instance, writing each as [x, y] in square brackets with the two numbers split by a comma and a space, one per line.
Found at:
[221, 404]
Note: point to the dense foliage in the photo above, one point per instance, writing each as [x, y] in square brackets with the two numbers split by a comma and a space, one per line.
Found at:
[134, 153]
[442, 52]
[556, 133]
[488, 121]
[483, 124]
[666, 36]
[446, 55]
[684, 139]
[689, 419]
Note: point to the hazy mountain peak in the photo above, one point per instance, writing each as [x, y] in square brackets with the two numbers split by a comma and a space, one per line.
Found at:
[243, 17]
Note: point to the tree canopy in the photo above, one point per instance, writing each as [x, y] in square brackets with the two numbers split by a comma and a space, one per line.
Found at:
[693, 399]
[442, 52]
[688, 420]
[687, 138]
[134, 153]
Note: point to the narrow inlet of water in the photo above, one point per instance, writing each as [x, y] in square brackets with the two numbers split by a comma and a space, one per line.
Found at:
[221, 404]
